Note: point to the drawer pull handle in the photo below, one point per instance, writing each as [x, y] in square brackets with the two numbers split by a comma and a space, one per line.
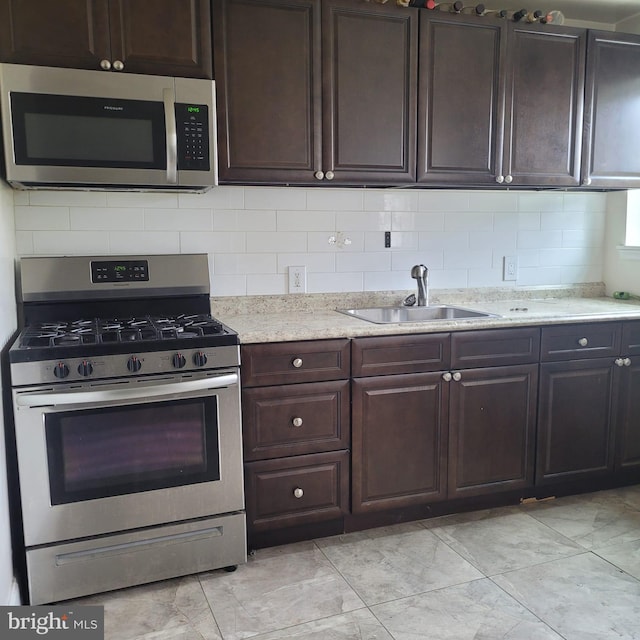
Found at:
[297, 422]
[298, 492]
[583, 342]
[297, 363]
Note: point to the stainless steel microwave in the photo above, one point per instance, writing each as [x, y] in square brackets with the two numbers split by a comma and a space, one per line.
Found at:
[76, 129]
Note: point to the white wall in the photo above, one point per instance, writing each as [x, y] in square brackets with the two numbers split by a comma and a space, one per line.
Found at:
[252, 234]
[8, 594]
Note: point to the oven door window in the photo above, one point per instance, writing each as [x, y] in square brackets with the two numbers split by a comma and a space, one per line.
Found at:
[115, 451]
[51, 130]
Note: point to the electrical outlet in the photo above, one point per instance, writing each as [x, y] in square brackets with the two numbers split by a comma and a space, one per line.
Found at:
[298, 279]
[510, 270]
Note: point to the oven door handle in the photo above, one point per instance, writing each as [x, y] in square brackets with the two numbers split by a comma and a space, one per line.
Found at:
[116, 395]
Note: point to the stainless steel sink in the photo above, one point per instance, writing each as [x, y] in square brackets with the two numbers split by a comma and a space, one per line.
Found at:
[388, 315]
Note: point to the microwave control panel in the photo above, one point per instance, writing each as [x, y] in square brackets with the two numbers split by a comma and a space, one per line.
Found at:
[192, 121]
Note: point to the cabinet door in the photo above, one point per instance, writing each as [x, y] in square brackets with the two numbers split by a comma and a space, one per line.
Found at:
[267, 70]
[628, 421]
[163, 37]
[544, 97]
[611, 135]
[575, 429]
[492, 430]
[370, 62]
[399, 445]
[64, 33]
[460, 111]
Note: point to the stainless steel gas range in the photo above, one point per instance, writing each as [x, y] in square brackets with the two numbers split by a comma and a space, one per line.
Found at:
[127, 424]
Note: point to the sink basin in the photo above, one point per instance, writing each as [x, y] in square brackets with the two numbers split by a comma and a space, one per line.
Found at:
[388, 315]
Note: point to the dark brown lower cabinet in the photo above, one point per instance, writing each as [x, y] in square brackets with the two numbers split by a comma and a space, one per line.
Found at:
[628, 419]
[399, 441]
[492, 426]
[576, 425]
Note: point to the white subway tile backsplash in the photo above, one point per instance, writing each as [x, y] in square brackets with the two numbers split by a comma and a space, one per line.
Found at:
[306, 220]
[68, 198]
[365, 262]
[252, 234]
[106, 219]
[211, 242]
[276, 242]
[42, 218]
[123, 242]
[178, 220]
[275, 198]
[388, 200]
[335, 199]
[70, 243]
[244, 263]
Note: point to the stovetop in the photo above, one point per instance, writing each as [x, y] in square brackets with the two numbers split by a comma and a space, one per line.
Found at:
[120, 330]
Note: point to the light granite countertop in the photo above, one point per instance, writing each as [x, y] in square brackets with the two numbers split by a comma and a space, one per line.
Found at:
[260, 319]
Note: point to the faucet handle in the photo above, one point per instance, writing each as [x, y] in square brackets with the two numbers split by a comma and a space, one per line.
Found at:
[410, 300]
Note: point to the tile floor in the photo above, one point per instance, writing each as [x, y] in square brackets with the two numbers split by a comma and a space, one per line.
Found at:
[565, 569]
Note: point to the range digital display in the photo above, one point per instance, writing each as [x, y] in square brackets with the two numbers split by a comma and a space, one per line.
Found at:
[120, 271]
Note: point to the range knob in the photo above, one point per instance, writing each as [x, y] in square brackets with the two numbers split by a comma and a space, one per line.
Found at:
[85, 368]
[199, 359]
[179, 361]
[134, 364]
[61, 370]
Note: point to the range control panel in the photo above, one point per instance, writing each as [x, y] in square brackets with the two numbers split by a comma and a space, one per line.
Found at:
[192, 122]
[119, 271]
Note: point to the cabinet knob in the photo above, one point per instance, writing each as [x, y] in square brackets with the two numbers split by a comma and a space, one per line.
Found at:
[329, 175]
[297, 422]
[105, 65]
[118, 65]
[297, 362]
[457, 376]
[627, 362]
[587, 181]
[583, 342]
[298, 492]
[447, 377]
[508, 179]
[619, 362]
[499, 179]
[319, 175]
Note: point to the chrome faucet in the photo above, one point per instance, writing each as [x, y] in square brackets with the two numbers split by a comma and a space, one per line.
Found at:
[421, 274]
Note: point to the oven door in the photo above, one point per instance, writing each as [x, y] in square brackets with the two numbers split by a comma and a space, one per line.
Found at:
[102, 457]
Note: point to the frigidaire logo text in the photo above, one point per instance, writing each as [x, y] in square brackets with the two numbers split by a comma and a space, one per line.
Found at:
[110, 108]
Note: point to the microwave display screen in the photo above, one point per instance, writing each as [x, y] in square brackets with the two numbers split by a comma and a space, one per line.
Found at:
[55, 130]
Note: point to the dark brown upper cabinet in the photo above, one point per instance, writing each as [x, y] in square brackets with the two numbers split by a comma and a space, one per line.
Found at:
[611, 135]
[499, 103]
[315, 93]
[158, 37]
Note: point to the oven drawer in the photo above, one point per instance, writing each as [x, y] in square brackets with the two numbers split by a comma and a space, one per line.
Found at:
[295, 419]
[581, 341]
[298, 490]
[292, 362]
[64, 571]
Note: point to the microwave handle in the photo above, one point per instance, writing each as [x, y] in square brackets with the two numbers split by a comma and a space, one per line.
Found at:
[169, 100]
[46, 399]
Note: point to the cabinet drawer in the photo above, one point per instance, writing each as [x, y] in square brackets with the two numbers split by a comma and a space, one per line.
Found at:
[295, 419]
[298, 490]
[580, 341]
[470, 349]
[400, 354]
[289, 362]
[631, 339]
